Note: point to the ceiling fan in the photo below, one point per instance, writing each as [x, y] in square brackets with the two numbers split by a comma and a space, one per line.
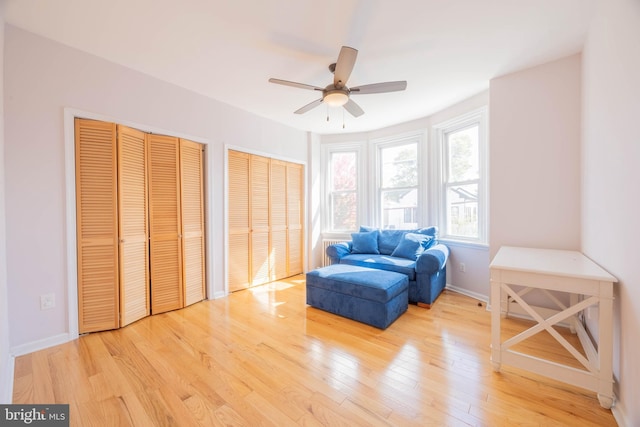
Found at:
[338, 94]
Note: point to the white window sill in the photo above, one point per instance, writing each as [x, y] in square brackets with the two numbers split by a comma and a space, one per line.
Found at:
[464, 244]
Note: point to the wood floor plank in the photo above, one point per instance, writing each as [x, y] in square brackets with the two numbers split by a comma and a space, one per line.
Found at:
[42, 378]
[262, 357]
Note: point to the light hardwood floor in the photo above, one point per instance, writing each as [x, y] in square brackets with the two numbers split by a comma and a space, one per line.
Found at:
[263, 358]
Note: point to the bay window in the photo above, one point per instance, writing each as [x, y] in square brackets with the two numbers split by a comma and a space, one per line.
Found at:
[407, 182]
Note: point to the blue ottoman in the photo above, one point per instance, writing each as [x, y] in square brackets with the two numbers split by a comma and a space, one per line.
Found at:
[374, 297]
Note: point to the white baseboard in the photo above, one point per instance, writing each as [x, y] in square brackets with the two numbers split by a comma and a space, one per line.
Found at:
[220, 294]
[619, 414]
[6, 385]
[30, 347]
[475, 295]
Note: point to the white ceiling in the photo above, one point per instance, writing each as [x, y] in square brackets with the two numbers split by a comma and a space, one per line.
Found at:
[447, 50]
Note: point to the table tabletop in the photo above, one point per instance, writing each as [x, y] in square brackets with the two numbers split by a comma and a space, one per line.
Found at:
[550, 261]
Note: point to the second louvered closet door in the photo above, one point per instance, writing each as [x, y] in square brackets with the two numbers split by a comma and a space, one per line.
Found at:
[278, 219]
[133, 225]
[192, 203]
[165, 223]
[259, 220]
[295, 217]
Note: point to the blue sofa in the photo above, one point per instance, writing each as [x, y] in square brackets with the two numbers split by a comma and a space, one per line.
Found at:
[416, 253]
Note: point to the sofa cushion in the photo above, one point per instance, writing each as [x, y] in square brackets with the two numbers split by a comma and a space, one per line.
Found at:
[411, 246]
[365, 242]
[388, 240]
[383, 262]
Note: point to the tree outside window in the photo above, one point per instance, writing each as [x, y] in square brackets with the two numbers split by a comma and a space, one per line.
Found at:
[343, 190]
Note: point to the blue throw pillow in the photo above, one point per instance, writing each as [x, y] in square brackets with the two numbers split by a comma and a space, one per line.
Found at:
[365, 243]
[411, 246]
[388, 239]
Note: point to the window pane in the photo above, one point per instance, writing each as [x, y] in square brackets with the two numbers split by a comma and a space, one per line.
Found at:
[343, 211]
[463, 155]
[462, 210]
[399, 209]
[400, 166]
[343, 171]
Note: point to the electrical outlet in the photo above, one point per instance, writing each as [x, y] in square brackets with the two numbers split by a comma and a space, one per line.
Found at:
[463, 267]
[47, 301]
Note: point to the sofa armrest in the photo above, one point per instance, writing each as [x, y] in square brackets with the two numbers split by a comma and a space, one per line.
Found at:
[336, 251]
[433, 259]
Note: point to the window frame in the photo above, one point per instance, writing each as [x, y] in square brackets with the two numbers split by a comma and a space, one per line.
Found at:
[478, 117]
[396, 141]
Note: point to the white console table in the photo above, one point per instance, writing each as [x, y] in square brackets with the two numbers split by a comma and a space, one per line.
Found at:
[514, 273]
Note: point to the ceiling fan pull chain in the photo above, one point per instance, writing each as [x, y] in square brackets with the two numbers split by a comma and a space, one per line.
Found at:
[327, 113]
[343, 118]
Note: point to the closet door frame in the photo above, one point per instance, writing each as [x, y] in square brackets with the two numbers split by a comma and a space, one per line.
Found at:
[70, 114]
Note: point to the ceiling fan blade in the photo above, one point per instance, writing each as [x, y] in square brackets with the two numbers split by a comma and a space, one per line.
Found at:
[294, 84]
[308, 107]
[353, 108]
[379, 87]
[344, 66]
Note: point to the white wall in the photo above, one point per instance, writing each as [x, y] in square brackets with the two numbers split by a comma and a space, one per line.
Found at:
[6, 361]
[535, 157]
[610, 176]
[41, 79]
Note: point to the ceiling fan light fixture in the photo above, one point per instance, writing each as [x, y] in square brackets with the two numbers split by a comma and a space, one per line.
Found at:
[336, 98]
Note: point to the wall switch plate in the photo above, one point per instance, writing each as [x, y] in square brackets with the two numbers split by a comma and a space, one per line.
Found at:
[47, 301]
[463, 267]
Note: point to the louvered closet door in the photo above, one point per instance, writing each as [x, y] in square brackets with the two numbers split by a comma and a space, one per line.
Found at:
[192, 203]
[164, 223]
[278, 219]
[260, 263]
[133, 225]
[238, 219]
[295, 215]
[97, 225]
